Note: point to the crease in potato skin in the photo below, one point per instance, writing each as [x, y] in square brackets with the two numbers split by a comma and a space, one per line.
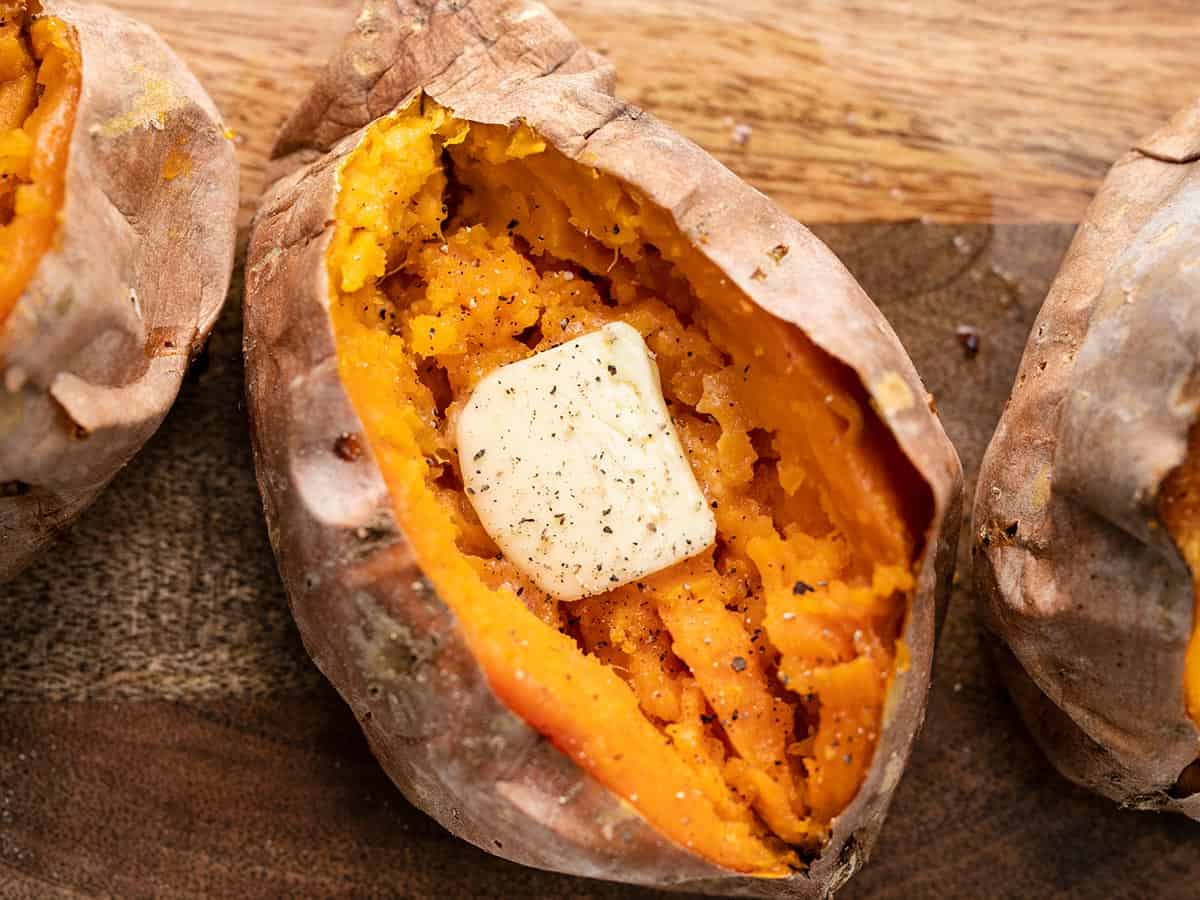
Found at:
[733, 699]
[1179, 507]
[41, 79]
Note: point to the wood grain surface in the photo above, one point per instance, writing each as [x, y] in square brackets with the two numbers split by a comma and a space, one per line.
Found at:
[162, 732]
[858, 110]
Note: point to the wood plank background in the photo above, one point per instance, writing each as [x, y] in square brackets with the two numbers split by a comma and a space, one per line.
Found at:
[162, 732]
[859, 110]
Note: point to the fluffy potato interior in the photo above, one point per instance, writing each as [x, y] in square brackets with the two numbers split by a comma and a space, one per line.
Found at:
[40, 79]
[734, 699]
[1179, 505]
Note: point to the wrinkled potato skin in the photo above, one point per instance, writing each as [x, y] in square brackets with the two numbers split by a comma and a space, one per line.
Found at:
[368, 617]
[1088, 600]
[92, 356]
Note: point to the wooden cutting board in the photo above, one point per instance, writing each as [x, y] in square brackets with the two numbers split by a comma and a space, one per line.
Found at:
[162, 732]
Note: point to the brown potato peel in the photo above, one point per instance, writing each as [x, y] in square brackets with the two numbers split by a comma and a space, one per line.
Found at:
[93, 354]
[368, 616]
[1088, 599]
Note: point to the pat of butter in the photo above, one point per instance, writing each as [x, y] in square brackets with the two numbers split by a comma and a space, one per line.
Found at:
[574, 468]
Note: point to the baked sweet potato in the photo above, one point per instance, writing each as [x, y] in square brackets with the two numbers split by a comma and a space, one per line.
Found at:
[461, 191]
[1086, 516]
[118, 193]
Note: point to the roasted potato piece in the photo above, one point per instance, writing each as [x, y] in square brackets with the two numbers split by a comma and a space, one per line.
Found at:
[118, 193]
[1085, 516]
[462, 192]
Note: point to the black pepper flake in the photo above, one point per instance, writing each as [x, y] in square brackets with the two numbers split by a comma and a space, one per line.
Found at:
[653, 528]
[612, 370]
[607, 530]
[512, 223]
[738, 664]
[520, 590]
[478, 456]
[801, 587]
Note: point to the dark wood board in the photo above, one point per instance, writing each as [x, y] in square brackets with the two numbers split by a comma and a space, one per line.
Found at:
[162, 732]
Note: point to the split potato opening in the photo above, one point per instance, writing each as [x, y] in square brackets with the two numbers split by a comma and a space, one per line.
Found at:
[1179, 506]
[40, 82]
[734, 697]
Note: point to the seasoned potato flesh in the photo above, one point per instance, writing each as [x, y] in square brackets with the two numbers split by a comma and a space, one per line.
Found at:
[40, 79]
[734, 699]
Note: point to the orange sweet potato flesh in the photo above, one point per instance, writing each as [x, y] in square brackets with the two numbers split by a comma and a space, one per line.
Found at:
[1179, 504]
[40, 82]
[734, 699]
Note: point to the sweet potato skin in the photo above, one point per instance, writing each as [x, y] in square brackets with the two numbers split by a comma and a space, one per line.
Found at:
[1087, 599]
[368, 617]
[92, 356]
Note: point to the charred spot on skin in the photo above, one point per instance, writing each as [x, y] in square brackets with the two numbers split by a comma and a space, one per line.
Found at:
[991, 532]
[850, 859]
[984, 538]
[348, 447]
[370, 537]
